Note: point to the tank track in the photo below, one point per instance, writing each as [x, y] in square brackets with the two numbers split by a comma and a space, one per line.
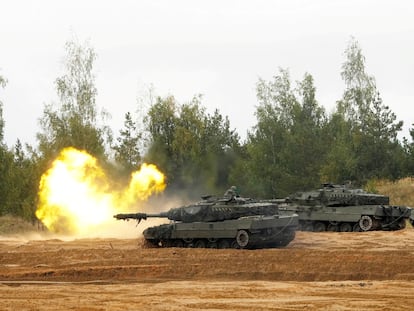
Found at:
[366, 223]
[243, 240]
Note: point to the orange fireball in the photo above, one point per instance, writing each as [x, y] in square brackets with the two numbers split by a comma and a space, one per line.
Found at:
[76, 196]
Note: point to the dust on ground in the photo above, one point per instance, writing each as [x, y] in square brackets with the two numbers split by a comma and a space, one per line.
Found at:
[317, 271]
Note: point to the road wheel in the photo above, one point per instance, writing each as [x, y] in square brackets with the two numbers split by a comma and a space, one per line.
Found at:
[345, 227]
[365, 223]
[223, 244]
[150, 243]
[212, 245]
[307, 227]
[189, 243]
[242, 238]
[178, 243]
[319, 227]
[332, 228]
[167, 243]
[234, 245]
[200, 244]
[402, 224]
[356, 227]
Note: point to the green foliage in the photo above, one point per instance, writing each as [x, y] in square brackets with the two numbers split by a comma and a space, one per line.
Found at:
[221, 148]
[363, 129]
[160, 123]
[193, 148]
[293, 146]
[74, 121]
[408, 158]
[7, 189]
[127, 152]
[308, 137]
[3, 83]
[341, 163]
[26, 176]
[286, 148]
[18, 182]
[378, 143]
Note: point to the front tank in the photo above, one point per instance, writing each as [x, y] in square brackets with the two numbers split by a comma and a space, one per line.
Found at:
[249, 232]
[227, 222]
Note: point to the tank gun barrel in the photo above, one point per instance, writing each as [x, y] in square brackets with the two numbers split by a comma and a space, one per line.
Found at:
[139, 216]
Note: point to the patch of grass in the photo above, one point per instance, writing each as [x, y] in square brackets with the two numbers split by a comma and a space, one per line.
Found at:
[401, 192]
[11, 224]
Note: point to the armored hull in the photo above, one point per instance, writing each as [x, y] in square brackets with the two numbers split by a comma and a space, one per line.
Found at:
[245, 232]
[339, 208]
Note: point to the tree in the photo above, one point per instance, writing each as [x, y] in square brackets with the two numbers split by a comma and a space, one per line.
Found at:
[409, 153]
[26, 177]
[3, 83]
[8, 193]
[74, 121]
[127, 151]
[10, 181]
[370, 128]
[266, 145]
[221, 149]
[307, 146]
[379, 143]
[285, 150]
[161, 123]
[6, 166]
[193, 148]
[341, 161]
[187, 143]
[360, 87]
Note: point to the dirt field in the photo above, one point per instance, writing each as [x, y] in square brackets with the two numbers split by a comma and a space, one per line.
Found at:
[317, 271]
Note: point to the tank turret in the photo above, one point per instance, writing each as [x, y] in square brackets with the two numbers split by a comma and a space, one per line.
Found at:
[210, 209]
[224, 222]
[338, 195]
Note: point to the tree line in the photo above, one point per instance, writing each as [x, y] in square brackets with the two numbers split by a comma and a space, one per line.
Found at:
[294, 145]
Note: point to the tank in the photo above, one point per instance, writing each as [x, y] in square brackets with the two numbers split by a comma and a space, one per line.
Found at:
[342, 208]
[221, 223]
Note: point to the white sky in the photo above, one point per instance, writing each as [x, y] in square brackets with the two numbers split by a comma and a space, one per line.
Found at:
[216, 48]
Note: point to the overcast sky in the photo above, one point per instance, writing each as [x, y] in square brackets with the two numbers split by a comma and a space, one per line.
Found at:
[216, 48]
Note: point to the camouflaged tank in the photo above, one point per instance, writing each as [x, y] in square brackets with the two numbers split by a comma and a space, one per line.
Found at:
[226, 222]
[341, 208]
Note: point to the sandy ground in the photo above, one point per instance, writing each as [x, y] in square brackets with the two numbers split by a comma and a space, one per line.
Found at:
[317, 271]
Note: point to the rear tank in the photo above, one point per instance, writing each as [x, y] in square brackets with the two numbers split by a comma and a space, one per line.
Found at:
[226, 222]
[341, 208]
